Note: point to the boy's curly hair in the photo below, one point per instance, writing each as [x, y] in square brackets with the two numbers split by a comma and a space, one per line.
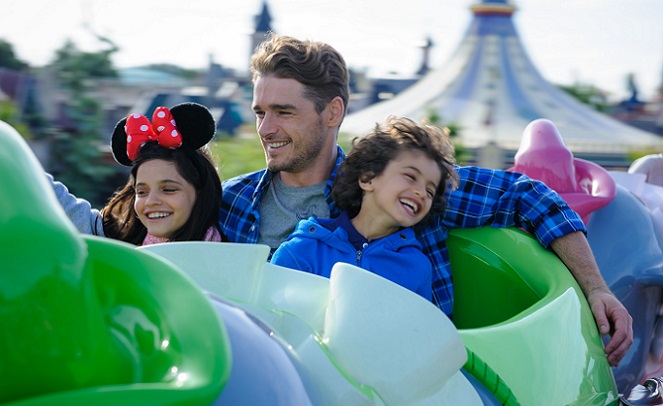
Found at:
[371, 153]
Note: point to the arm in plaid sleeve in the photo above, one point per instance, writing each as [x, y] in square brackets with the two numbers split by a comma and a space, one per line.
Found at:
[508, 199]
[499, 199]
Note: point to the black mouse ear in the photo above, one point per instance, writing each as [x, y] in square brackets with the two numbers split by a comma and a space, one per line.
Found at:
[119, 143]
[196, 124]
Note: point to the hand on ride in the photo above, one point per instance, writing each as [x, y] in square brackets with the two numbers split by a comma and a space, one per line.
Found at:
[612, 318]
[610, 315]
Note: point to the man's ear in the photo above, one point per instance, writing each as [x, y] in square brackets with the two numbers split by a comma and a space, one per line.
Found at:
[336, 110]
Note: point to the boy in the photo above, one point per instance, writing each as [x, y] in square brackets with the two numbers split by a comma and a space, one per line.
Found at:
[394, 178]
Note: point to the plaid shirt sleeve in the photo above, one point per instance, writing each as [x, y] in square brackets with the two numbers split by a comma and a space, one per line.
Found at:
[509, 199]
[487, 197]
[239, 216]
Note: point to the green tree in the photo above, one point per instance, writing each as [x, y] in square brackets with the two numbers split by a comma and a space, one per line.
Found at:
[175, 70]
[9, 115]
[587, 94]
[8, 58]
[73, 65]
[434, 118]
[78, 148]
[27, 122]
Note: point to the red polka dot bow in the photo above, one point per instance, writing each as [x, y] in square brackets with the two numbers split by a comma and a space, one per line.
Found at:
[163, 130]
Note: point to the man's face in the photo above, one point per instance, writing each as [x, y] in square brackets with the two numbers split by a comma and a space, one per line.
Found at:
[292, 133]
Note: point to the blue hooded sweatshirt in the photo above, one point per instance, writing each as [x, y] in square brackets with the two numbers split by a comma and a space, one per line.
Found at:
[317, 244]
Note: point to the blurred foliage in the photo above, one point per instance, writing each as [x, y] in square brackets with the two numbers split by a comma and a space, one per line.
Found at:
[29, 123]
[78, 148]
[73, 66]
[9, 114]
[237, 155]
[587, 94]
[175, 70]
[433, 118]
[8, 58]
[633, 155]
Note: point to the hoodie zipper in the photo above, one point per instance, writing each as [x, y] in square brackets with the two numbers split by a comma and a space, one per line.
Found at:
[360, 252]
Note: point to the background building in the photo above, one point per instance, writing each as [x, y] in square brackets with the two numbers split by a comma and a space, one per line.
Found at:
[490, 90]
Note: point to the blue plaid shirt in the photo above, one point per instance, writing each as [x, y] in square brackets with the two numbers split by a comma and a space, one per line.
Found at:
[239, 216]
[484, 197]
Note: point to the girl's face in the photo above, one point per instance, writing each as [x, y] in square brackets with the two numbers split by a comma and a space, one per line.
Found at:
[164, 199]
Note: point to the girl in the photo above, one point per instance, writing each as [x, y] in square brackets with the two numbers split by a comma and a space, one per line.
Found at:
[393, 179]
[173, 192]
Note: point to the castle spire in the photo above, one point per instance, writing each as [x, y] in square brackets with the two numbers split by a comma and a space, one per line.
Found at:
[263, 20]
[263, 26]
[426, 46]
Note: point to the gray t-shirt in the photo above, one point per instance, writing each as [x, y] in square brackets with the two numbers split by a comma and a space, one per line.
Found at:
[282, 207]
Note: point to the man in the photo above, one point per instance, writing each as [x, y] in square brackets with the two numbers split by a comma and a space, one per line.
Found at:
[300, 98]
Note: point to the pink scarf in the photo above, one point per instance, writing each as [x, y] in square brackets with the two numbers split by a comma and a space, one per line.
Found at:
[211, 235]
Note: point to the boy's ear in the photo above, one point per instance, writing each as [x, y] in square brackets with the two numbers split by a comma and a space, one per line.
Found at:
[366, 183]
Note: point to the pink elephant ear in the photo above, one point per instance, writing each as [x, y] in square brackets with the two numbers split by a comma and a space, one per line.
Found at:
[544, 156]
[584, 185]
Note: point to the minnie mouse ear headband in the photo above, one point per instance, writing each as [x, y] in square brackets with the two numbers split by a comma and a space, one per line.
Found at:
[186, 125]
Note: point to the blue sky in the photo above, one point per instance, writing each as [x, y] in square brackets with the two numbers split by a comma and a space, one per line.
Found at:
[590, 41]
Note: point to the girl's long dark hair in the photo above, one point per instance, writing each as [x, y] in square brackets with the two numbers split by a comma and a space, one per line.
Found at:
[196, 167]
